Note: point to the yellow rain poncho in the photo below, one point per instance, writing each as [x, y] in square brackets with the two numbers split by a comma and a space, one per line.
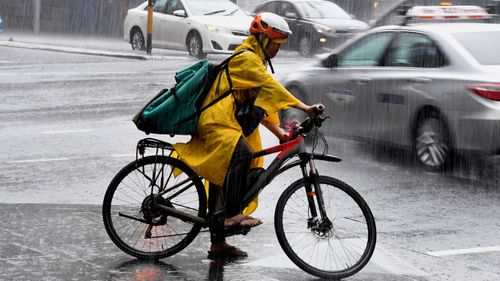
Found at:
[209, 152]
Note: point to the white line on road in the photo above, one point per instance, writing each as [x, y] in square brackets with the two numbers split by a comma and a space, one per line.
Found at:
[394, 264]
[465, 251]
[67, 131]
[122, 155]
[385, 260]
[39, 160]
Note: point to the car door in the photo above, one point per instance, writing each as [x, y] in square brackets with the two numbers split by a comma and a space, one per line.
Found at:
[399, 85]
[345, 85]
[158, 36]
[174, 28]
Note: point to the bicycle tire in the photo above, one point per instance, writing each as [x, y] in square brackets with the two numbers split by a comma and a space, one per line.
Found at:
[349, 218]
[126, 198]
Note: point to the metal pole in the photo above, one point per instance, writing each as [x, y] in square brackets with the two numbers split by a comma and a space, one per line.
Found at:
[36, 21]
[149, 39]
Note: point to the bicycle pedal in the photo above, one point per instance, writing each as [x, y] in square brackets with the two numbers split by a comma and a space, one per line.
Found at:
[239, 230]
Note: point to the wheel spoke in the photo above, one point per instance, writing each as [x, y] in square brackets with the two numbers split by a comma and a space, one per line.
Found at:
[138, 227]
[332, 250]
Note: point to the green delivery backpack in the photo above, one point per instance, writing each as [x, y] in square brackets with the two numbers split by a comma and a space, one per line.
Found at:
[176, 111]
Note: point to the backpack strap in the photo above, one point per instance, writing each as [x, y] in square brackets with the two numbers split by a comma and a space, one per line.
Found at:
[223, 64]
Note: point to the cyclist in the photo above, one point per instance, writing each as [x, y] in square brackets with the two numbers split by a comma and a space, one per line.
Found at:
[228, 133]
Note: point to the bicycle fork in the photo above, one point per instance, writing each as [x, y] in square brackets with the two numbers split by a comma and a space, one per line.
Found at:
[318, 223]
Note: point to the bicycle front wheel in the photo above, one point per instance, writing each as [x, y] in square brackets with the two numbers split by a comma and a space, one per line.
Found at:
[335, 246]
[139, 227]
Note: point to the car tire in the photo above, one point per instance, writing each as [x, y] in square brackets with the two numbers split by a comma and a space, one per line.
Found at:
[305, 47]
[432, 143]
[195, 45]
[137, 39]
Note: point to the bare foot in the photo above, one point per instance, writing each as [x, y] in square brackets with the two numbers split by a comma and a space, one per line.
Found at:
[243, 220]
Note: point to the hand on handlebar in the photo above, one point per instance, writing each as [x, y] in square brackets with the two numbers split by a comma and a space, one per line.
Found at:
[290, 131]
[315, 110]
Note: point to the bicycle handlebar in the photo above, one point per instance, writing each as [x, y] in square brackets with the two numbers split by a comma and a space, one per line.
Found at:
[309, 123]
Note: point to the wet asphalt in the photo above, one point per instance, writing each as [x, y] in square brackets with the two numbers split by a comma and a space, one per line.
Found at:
[69, 242]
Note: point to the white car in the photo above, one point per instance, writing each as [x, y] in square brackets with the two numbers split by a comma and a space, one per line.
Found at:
[198, 26]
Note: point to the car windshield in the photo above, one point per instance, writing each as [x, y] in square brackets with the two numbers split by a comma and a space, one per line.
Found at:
[321, 9]
[483, 46]
[214, 8]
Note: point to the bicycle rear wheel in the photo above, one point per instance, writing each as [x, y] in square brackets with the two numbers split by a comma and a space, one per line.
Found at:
[334, 247]
[139, 228]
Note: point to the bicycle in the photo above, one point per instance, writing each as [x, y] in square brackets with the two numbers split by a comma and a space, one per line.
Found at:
[155, 207]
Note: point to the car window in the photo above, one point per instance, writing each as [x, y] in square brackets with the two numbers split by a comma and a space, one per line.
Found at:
[272, 7]
[286, 8]
[321, 9]
[482, 45]
[159, 6]
[173, 5]
[413, 50]
[367, 51]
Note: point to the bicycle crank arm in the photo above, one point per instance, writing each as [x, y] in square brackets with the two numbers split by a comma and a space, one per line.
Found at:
[182, 215]
[133, 218]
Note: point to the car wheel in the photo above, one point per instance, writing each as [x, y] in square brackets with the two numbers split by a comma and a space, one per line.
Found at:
[137, 40]
[195, 45]
[305, 47]
[432, 142]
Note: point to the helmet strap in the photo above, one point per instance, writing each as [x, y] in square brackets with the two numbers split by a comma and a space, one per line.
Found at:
[268, 59]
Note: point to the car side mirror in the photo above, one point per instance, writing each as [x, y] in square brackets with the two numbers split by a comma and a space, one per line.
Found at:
[180, 13]
[331, 61]
[291, 15]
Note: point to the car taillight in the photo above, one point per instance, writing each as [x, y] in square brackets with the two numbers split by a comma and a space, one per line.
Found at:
[489, 91]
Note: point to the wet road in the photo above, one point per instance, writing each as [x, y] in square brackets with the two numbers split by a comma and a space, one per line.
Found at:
[66, 131]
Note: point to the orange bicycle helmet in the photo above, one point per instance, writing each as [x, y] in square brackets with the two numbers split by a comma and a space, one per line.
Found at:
[272, 25]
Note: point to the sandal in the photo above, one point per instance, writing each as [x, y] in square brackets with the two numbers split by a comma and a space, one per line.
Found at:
[243, 218]
[227, 253]
[238, 229]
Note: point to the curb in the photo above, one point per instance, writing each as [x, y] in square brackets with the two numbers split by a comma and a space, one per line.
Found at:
[82, 51]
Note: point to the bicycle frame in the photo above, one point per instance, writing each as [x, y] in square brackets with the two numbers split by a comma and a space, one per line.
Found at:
[287, 151]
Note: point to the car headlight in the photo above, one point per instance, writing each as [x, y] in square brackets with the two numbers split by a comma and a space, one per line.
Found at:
[323, 28]
[218, 29]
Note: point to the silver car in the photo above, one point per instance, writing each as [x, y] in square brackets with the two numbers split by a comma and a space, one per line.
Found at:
[432, 87]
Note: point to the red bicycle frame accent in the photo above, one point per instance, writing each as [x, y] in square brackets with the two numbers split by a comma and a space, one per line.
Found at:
[284, 147]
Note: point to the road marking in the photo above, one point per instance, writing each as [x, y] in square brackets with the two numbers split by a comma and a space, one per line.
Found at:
[381, 257]
[394, 264]
[67, 131]
[122, 155]
[39, 160]
[465, 251]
